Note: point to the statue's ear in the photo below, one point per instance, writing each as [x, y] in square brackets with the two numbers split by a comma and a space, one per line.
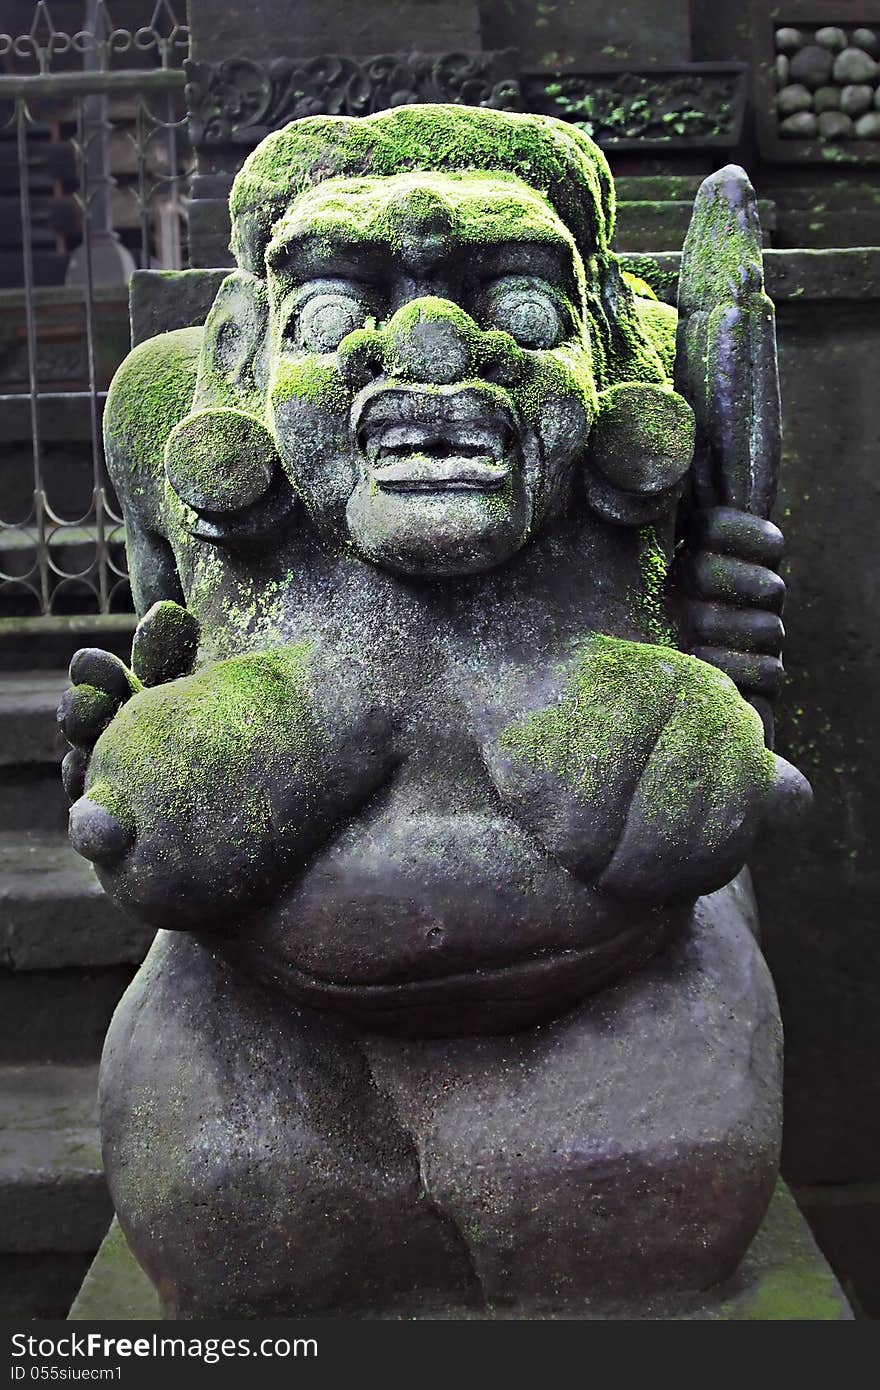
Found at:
[640, 449]
[224, 465]
[624, 350]
[233, 362]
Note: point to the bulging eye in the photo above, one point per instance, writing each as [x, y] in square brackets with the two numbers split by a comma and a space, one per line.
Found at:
[528, 314]
[328, 318]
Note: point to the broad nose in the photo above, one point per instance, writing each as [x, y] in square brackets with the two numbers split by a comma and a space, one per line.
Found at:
[433, 341]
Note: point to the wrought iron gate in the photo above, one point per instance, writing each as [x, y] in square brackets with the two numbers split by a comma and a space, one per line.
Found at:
[73, 105]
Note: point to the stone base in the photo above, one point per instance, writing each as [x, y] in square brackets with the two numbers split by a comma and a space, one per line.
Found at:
[784, 1277]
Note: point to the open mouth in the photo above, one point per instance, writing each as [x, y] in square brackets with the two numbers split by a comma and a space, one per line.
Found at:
[414, 445]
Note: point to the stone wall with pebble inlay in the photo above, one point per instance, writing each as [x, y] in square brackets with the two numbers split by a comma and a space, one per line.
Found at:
[828, 83]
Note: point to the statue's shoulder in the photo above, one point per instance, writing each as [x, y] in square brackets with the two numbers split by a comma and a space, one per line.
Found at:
[151, 391]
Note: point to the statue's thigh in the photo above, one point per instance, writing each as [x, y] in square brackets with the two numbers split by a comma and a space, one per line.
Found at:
[629, 1147]
[254, 1165]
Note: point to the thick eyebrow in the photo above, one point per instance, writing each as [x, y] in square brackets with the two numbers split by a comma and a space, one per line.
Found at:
[306, 255]
[550, 261]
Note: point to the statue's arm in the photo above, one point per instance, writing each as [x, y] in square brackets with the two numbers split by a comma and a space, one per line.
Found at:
[150, 394]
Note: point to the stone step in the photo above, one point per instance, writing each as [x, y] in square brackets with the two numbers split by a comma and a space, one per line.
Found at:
[54, 915]
[29, 731]
[58, 1016]
[48, 643]
[31, 748]
[52, 1191]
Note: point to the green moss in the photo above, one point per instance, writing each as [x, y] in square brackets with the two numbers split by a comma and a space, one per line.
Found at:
[662, 281]
[185, 749]
[802, 1295]
[150, 393]
[221, 458]
[480, 207]
[640, 288]
[659, 323]
[314, 379]
[653, 708]
[553, 375]
[550, 156]
[649, 601]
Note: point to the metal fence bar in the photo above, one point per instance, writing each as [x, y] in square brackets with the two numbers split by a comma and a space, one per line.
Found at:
[24, 193]
[87, 135]
[62, 84]
[27, 261]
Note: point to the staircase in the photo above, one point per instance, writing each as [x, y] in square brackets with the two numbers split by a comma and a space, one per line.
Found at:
[66, 955]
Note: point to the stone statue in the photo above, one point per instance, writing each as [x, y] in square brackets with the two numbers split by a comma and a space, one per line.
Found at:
[456, 1001]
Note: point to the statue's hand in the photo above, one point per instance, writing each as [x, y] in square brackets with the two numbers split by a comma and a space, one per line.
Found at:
[736, 598]
[199, 787]
[164, 647]
[705, 792]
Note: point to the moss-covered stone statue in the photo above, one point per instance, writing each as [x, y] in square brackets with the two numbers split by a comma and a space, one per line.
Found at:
[457, 1001]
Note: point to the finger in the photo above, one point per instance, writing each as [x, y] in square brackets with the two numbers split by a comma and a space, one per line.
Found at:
[789, 803]
[741, 629]
[96, 834]
[73, 773]
[103, 670]
[749, 671]
[165, 643]
[730, 581]
[84, 714]
[732, 532]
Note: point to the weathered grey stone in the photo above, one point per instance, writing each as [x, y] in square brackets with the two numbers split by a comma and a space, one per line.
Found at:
[866, 39]
[191, 293]
[868, 126]
[782, 69]
[783, 1277]
[802, 126]
[826, 99]
[830, 36]
[794, 99]
[52, 1191]
[812, 66]
[823, 960]
[58, 1016]
[29, 732]
[408, 1149]
[855, 99]
[53, 912]
[835, 125]
[789, 40]
[425, 791]
[562, 35]
[218, 28]
[853, 65]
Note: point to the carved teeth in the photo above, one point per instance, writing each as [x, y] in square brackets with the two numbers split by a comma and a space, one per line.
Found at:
[421, 473]
[471, 441]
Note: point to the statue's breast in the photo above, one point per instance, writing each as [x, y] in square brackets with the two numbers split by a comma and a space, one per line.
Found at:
[439, 895]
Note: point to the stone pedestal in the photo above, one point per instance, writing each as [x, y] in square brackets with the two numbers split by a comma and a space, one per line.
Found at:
[784, 1277]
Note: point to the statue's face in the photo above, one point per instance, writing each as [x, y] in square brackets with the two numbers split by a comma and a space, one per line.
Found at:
[431, 386]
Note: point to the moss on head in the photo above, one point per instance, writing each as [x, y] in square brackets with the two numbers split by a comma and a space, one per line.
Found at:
[475, 208]
[560, 163]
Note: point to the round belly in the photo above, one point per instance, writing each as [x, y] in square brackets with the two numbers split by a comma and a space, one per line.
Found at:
[444, 924]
